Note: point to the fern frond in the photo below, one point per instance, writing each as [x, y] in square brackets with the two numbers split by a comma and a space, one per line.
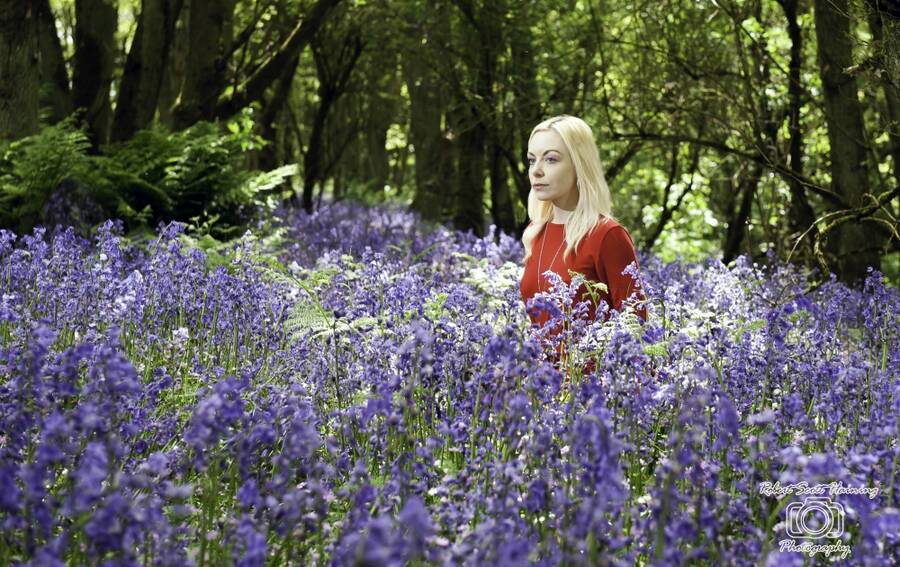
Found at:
[306, 318]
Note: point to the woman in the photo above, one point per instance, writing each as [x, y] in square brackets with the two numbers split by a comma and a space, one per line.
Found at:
[572, 227]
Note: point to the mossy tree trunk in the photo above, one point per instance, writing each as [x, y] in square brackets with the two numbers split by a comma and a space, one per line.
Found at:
[854, 246]
[19, 68]
[209, 39]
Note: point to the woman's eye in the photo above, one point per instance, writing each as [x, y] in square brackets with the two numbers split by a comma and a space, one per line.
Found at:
[551, 159]
[530, 162]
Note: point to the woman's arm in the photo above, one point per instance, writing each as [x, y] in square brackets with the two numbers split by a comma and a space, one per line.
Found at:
[617, 253]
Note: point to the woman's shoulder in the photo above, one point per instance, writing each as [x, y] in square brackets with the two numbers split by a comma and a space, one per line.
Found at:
[608, 233]
[603, 226]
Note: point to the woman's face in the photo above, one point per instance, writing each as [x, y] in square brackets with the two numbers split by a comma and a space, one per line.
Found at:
[551, 170]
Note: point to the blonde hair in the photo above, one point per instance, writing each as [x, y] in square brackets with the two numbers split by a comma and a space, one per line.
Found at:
[594, 203]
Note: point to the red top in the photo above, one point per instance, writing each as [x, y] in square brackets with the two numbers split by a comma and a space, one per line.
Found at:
[602, 255]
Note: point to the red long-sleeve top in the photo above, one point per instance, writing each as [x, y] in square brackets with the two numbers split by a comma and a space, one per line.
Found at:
[602, 256]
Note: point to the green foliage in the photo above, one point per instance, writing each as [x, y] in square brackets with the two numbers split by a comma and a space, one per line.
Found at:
[197, 176]
[199, 172]
[308, 314]
[32, 167]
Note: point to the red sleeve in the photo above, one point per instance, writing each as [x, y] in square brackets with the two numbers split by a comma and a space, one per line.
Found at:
[616, 253]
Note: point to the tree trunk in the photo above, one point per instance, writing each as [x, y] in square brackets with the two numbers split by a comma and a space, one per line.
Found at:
[433, 164]
[737, 224]
[55, 92]
[400, 170]
[887, 42]
[484, 32]
[174, 73]
[527, 107]
[852, 244]
[333, 71]
[268, 122]
[338, 184]
[143, 72]
[312, 158]
[95, 51]
[491, 30]
[210, 31]
[469, 208]
[380, 112]
[378, 166]
[501, 202]
[801, 215]
[19, 68]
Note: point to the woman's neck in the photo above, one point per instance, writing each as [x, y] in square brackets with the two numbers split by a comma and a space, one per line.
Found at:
[560, 216]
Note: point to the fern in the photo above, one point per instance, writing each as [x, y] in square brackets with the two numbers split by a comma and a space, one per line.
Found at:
[197, 175]
[307, 317]
[33, 168]
[255, 186]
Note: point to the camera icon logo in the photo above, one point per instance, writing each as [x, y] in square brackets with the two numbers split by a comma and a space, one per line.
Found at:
[815, 518]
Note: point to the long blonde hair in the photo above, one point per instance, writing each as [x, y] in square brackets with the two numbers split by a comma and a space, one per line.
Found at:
[594, 203]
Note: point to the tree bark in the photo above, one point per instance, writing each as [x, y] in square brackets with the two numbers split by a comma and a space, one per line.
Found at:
[483, 30]
[19, 68]
[174, 73]
[737, 224]
[382, 112]
[491, 30]
[55, 92]
[852, 245]
[501, 202]
[209, 41]
[890, 81]
[143, 73]
[95, 50]
[469, 208]
[527, 111]
[801, 215]
[268, 122]
[433, 151]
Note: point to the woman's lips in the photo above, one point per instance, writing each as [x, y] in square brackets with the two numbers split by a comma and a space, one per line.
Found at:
[539, 186]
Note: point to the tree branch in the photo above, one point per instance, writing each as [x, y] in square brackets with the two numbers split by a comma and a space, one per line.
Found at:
[255, 85]
[837, 218]
[780, 169]
[622, 160]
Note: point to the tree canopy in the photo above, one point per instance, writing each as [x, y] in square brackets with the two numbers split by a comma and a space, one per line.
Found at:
[726, 127]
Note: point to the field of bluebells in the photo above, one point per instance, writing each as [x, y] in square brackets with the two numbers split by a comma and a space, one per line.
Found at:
[355, 388]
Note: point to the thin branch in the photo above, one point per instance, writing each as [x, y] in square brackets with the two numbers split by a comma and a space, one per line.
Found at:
[622, 160]
[837, 218]
[255, 85]
[780, 169]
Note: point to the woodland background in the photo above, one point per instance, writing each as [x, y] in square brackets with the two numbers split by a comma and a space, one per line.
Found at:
[726, 127]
